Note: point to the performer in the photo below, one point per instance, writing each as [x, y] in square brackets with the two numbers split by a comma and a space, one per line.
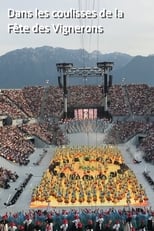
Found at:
[80, 227]
[49, 225]
[64, 226]
[12, 227]
[99, 223]
[76, 222]
[89, 226]
[28, 223]
[116, 226]
[149, 223]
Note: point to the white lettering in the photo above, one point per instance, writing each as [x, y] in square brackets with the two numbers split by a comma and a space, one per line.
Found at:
[20, 14]
[18, 29]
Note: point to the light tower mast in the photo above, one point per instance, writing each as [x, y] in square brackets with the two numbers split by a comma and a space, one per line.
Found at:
[105, 67]
[64, 68]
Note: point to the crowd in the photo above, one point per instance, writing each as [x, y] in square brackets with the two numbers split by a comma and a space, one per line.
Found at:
[82, 219]
[14, 146]
[118, 105]
[123, 131]
[7, 176]
[147, 145]
[140, 98]
[85, 95]
[38, 129]
[17, 141]
[27, 99]
[7, 107]
[31, 102]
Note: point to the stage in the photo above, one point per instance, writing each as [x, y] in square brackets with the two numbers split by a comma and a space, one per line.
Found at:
[88, 176]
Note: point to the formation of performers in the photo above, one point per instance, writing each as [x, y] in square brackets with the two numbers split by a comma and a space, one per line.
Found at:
[89, 175]
[126, 219]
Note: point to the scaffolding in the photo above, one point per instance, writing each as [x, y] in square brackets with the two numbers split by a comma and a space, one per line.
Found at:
[67, 70]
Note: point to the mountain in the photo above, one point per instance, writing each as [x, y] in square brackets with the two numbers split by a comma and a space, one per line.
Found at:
[28, 66]
[139, 70]
[33, 66]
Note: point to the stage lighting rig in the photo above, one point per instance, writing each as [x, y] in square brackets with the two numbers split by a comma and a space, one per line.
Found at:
[105, 66]
[67, 70]
[63, 68]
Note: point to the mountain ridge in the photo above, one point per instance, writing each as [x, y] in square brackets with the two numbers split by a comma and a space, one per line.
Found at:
[33, 66]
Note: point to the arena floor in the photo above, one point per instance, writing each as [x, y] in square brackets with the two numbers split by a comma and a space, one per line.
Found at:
[23, 203]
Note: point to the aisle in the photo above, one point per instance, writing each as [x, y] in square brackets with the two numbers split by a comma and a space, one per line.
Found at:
[23, 171]
[89, 139]
[138, 169]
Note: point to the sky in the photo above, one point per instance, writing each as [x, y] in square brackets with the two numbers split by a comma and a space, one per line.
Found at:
[132, 32]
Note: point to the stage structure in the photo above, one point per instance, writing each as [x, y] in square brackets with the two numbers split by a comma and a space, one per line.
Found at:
[43, 101]
[67, 70]
[63, 69]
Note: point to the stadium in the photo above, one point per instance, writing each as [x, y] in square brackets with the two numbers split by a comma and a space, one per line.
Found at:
[77, 155]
